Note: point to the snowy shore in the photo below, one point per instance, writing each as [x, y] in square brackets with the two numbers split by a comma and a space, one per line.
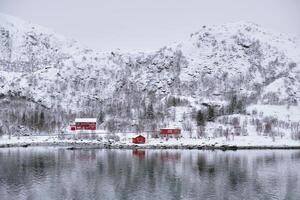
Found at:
[239, 142]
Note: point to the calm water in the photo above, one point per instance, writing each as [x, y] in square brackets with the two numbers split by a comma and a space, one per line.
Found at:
[54, 173]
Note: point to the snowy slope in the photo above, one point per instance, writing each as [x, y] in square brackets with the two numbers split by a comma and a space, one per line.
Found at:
[214, 63]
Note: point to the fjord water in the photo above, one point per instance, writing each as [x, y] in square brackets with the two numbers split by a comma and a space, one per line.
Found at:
[56, 173]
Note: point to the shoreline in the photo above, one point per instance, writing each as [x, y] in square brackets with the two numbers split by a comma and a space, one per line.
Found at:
[80, 145]
[239, 143]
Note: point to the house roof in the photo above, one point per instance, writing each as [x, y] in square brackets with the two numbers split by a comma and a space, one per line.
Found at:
[172, 128]
[138, 136]
[86, 120]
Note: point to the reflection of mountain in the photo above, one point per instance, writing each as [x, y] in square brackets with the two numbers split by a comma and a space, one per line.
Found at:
[116, 174]
[170, 156]
[84, 155]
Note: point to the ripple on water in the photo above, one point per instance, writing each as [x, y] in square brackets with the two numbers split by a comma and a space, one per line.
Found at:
[54, 173]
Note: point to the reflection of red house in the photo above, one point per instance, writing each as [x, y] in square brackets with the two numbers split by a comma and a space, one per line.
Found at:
[170, 131]
[139, 139]
[139, 153]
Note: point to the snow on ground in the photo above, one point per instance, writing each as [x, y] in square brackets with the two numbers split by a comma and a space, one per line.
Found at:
[126, 141]
[281, 112]
[213, 137]
[282, 136]
[241, 141]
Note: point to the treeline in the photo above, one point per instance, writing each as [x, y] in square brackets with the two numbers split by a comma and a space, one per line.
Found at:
[135, 112]
[236, 105]
[138, 112]
[20, 116]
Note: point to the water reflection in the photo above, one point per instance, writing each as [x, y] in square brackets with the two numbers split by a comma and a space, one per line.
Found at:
[139, 153]
[53, 173]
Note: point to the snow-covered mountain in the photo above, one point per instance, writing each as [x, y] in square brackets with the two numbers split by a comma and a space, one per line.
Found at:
[41, 71]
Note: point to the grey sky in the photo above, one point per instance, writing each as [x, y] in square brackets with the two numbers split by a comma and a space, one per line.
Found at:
[149, 24]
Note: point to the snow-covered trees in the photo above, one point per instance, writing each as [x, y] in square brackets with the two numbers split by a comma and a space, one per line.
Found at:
[200, 118]
[236, 106]
[258, 126]
[295, 131]
[101, 117]
[201, 132]
[236, 125]
[41, 121]
[211, 113]
[188, 127]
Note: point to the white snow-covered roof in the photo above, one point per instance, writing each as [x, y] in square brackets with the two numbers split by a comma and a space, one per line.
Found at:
[86, 120]
[170, 128]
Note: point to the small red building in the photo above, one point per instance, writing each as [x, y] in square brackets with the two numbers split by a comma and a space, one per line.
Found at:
[170, 131]
[139, 140]
[85, 124]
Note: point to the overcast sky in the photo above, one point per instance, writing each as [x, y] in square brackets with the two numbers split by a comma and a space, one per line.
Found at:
[149, 24]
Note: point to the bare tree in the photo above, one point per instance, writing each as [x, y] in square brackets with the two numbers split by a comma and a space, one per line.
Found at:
[187, 126]
[201, 132]
[259, 126]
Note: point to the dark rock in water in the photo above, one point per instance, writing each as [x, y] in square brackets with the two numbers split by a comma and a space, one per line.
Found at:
[233, 148]
[107, 146]
[71, 148]
[25, 145]
[226, 147]
[190, 147]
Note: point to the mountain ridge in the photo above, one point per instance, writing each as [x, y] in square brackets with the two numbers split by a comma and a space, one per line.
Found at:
[48, 71]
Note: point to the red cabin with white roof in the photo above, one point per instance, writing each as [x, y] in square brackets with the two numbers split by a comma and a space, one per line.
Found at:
[170, 131]
[139, 140]
[89, 124]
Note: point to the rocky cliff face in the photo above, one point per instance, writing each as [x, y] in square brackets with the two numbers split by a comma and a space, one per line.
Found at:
[42, 72]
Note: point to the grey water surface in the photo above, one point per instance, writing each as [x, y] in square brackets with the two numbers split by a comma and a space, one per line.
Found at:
[56, 173]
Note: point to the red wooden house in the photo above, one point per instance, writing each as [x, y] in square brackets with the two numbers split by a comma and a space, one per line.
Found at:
[139, 139]
[85, 124]
[170, 132]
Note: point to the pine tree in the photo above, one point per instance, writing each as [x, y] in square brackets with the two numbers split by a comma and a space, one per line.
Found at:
[150, 112]
[101, 117]
[23, 119]
[174, 101]
[200, 118]
[232, 105]
[211, 113]
[236, 105]
[36, 119]
[42, 120]
[240, 108]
